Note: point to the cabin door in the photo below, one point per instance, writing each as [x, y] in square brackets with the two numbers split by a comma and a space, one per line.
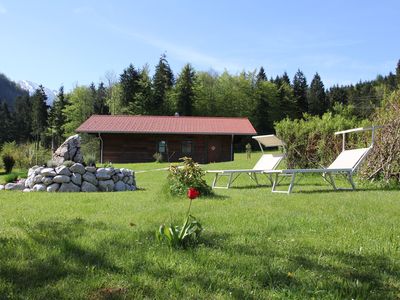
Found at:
[214, 149]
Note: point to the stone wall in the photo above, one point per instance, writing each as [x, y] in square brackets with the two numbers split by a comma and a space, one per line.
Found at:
[76, 178]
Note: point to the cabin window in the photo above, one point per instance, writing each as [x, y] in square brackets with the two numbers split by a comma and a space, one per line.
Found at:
[187, 147]
[162, 147]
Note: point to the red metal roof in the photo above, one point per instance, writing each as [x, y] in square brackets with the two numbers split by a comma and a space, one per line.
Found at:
[167, 124]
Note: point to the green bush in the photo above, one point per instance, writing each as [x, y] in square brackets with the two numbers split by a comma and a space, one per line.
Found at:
[26, 155]
[10, 177]
[180, 178]
[90, 160]
[8, 162]
[311, 143]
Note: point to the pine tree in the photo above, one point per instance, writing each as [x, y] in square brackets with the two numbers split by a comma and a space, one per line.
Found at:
[261, 76]
[285, 78]
[317, 97]
[129, 81]
[57, 119]
[185, 90]
[163, 81]
[300, 93]
[142, 98]
[39, 115]
[336, 94]
[23, 118]
[287, 104]
[265, 93]
[7, 124]
[100, 105]
[398, 73]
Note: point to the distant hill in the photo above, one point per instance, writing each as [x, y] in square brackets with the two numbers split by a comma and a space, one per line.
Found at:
[9, 90]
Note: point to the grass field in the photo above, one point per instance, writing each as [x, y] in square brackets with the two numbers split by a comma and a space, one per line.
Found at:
[314, 243]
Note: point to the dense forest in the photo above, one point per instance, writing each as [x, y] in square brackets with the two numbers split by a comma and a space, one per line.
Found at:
[263, 99]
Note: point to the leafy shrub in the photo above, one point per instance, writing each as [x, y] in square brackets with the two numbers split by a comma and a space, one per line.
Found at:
[8, 162]
[10, 177]
[383, 163]
[51, 164]
[108, 165]
[90, 160]
[180, 178]
[158, 157]
[68, 163]
[310, 142]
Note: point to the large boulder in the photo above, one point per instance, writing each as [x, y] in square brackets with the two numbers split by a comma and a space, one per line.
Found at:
[61, 179]
[106, 185]
[63, 170]
[69, 150]
[77, 168]
[15, 186]
[119, 186]
[38, 170]
[103, 174]
[47, 180]
[88, 187]
[37, 179]
[39, 188]
[1, 187]
[90, 177]
[53, 187]
[48, 172]
[29, 181]
[76, 178]
[69, 187]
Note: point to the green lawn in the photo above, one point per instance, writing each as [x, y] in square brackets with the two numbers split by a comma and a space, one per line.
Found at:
[313, 243]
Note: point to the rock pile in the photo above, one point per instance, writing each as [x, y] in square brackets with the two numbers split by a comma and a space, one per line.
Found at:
[76, 178]
[69, 150]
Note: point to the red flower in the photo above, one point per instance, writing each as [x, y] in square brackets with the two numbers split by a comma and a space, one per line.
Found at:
[192, 193]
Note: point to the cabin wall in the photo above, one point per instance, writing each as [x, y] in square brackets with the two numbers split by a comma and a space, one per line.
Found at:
[127, 148]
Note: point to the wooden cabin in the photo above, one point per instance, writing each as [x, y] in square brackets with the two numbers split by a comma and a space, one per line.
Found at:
[128, 139]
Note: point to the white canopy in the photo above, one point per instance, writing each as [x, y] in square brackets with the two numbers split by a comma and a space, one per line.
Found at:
[270, 140]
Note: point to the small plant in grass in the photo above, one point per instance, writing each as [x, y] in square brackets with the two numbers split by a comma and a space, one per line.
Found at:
[181, 178]
[8, 162]
[158, 157]
[12, 177]
[182, 236]
[68, 163]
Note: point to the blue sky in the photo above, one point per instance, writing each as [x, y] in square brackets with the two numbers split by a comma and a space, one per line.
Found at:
[66, 43]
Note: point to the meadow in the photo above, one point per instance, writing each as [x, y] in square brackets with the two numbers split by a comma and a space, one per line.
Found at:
[314, 243]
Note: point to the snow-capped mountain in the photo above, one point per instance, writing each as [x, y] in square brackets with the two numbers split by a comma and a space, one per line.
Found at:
[31, 87]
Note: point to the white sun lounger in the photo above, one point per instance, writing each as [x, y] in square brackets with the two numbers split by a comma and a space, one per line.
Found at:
[346, 163]
[266, 162]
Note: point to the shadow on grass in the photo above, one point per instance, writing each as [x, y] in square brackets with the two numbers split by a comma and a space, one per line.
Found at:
[50, 252]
